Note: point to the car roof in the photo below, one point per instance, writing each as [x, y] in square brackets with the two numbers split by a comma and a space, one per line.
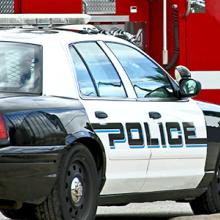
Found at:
[42, 36]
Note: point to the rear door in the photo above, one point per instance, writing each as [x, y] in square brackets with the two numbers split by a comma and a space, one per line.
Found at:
[175, 129]
[110, 103]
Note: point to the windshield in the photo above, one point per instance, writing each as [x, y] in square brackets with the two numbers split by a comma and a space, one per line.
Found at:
[20, 67]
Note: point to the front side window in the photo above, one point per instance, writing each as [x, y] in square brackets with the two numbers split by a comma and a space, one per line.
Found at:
[20, 67]
[147, 78]
[102, 73]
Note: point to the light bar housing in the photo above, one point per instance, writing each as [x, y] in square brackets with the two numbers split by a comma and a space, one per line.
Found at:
[19, 20]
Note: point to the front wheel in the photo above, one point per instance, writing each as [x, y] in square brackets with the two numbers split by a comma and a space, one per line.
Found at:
[76, 191]
[209, 202]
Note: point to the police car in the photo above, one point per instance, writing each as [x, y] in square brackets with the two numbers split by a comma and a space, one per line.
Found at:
[89, 119]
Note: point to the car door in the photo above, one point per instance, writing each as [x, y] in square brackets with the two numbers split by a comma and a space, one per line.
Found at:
[111, 108]
[175, 128]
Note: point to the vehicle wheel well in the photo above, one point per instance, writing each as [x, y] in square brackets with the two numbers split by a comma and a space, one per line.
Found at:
[98, 155]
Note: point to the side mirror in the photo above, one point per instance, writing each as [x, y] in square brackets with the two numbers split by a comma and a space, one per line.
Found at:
[189, 87]
[181, 72]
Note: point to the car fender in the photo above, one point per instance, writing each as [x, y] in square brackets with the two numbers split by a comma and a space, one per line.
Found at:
[212, 118]
[94, 144]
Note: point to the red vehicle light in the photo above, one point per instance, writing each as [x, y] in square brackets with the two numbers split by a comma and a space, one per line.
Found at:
[3, 129]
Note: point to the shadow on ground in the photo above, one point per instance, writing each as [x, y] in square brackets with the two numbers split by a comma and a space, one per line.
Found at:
[139, 216]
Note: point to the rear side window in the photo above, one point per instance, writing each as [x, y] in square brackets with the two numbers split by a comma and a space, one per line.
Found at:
[84, 79]
[148, 79]
[20, 67]
[99, 70]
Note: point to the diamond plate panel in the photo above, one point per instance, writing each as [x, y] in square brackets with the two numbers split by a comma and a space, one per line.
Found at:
[6, 6]
[100, 6]
[198, 6]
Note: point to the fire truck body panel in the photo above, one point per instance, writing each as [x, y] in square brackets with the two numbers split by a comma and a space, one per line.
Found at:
[42, 6]
[202, 50]
[198, 43]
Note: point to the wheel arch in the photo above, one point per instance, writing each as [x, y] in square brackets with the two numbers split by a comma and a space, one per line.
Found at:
[95, 146]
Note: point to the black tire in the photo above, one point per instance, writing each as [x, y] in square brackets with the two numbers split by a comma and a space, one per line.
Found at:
[209, 202]
[77, 172]
[25, 212]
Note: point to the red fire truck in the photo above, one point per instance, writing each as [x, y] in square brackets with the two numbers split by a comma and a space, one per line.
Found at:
[174, 32]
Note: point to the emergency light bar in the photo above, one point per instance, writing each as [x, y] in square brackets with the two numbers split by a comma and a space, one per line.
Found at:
[14, 20]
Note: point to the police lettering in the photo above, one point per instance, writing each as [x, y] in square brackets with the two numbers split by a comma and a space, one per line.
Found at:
[171, 134]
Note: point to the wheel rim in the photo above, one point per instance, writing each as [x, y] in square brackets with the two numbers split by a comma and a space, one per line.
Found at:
[75, 188]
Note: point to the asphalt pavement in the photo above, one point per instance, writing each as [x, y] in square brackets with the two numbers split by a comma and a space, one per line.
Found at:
[145, 211]
[149, 211]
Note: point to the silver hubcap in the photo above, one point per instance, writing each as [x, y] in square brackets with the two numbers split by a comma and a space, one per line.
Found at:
[76, 190]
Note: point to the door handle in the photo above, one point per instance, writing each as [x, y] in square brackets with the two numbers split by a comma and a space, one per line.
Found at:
[154, 115]
[101, 115]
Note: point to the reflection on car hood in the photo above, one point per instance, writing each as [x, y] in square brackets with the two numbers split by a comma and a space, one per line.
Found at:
[12, 94]
[208, 107]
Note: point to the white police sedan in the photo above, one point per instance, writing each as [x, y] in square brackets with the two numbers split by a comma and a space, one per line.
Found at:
[89, 119]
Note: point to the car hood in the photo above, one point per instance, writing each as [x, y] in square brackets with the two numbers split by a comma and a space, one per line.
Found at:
[209, 108]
